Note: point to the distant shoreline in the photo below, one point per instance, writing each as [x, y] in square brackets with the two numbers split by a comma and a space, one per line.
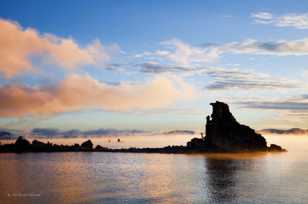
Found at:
[24, 146]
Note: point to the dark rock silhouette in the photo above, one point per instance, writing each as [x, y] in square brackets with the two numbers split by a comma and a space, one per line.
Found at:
[275, 148]
[197, 143]
[225, 133]
[100, 148]
[38, 143]
[87, 145]
[22, 145]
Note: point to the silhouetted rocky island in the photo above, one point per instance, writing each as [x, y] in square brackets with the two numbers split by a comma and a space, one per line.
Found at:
[223, 134]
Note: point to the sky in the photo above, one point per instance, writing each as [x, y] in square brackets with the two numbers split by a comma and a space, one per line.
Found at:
[152, 65]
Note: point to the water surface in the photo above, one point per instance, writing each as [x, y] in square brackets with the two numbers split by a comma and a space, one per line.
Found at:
[158, 178]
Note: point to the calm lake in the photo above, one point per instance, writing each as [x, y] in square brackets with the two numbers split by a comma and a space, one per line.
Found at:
[158, 178]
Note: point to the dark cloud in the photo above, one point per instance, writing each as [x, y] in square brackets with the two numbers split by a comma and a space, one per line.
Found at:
[226, 79]
[292, 106]
[293, 131]
[161, 68]
[47, 132]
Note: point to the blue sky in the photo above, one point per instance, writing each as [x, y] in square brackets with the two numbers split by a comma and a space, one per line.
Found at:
[152, 64]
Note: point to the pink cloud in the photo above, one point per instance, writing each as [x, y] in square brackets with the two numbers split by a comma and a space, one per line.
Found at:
[83, 92]
[18, 45]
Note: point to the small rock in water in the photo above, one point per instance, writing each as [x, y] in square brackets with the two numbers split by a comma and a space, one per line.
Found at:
[22, 144]
[87, 145]
[274, 148]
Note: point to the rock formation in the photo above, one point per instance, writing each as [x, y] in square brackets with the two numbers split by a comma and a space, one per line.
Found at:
[87, 145]
[224, 133]
[22, 144]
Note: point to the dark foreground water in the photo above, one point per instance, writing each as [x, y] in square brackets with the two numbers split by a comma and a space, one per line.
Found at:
[157, 178]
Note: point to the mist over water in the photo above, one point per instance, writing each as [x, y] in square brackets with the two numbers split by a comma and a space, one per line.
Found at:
[157, 178]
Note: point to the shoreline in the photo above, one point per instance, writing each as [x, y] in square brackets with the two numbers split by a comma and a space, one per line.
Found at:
[40, 147]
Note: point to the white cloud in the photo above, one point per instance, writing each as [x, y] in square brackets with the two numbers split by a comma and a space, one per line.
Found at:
[299, 21]
[176, 53]
[180, 53]
[279, 48]
[262, 17]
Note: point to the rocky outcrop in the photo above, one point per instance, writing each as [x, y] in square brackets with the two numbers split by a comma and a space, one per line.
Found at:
[22, 145]
[275, 148]
[224, 133]
[100, 148]
[87, 145]
[196, 143]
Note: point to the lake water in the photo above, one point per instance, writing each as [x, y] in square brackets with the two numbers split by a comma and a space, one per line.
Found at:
[158, 178]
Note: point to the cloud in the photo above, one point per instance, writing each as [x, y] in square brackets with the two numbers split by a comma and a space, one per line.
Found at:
[293, 131]
[294, 104]
[235, 78]
[177, 54]
[262, 17]
[18, 46]
[226, 78]
[83, 92]
[289, 111]
[298, 21]
[50, 132]
[279, 48]
[283, 105]
[156, 67]
[181, 53]
[184, 54]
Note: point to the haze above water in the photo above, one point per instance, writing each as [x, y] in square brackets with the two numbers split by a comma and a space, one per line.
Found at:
[157, 178]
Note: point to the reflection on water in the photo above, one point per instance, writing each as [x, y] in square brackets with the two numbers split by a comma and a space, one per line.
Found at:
[221, 179]
[155, 178]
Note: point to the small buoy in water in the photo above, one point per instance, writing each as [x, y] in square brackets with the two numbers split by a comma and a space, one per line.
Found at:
[119, 140]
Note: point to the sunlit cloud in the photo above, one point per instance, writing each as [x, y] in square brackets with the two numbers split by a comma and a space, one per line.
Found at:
[18, 46]
[78, 92]
[295, 20]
